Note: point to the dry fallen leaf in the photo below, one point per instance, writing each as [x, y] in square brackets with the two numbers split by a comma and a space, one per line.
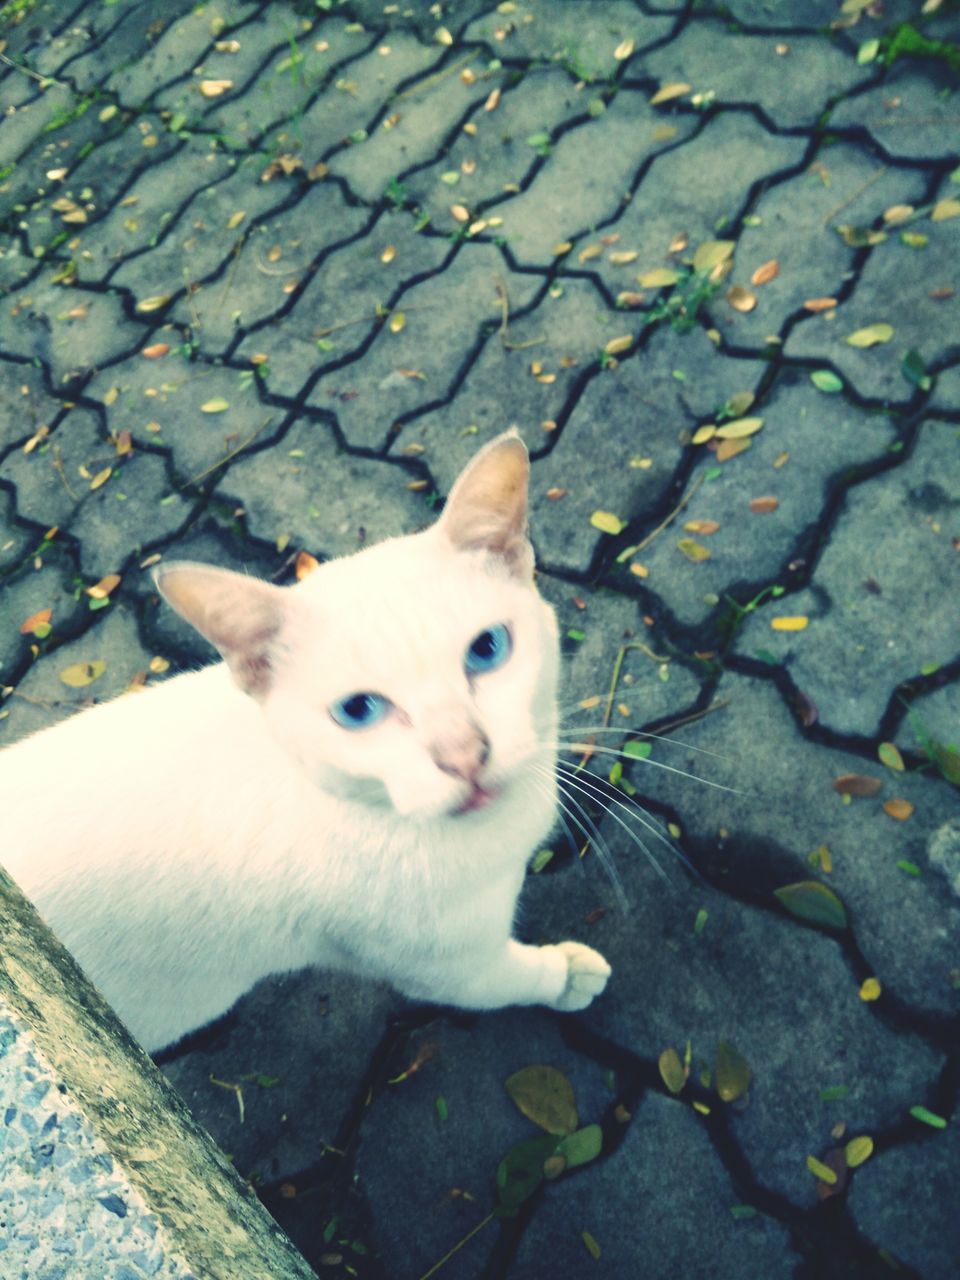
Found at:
[704, 527]
[769, 271]
[304, 564]
[79, 674]
[898, 808]
[104, 587]
[155, 351]
[214, 88]
[819, 304]
[616, 345]
[623, 50]
[761, 506]
[856, 784]
[668, 91]
[38, 624]
[739, 428]
[741, 299]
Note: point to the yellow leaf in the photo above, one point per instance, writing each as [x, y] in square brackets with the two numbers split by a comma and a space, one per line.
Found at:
[858, 1149]
[591, 251]
[214, 88]
[216, 405]
[704, 433]
[79, 674]
[870, 989]
[897, 213]
[821, 1170]
[398, 322]
[668, 91]
[871, 335]
[639, 570]
[795, 623]
[622, 257]
[235, 219]
[388, 254]
[607, 522]
[104, 587]
[703, 527]
[101, 477]
[741, 299]
[694, 551]
[623, 50]
[460, 212]
[739, 428]
[711, 253]
[159, 664]
[153, 304]
[728, 449]
[616, 345]
[658, 277]
[944, 209]
[443, 36]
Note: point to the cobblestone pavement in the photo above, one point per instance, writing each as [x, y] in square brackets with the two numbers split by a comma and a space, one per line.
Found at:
[268, 281]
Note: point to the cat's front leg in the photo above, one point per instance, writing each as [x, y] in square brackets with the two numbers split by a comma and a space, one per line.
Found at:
[566, 976]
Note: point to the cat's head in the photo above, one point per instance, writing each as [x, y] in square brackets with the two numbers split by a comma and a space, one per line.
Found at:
[419, 673]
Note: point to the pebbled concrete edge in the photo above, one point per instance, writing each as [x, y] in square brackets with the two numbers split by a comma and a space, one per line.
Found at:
[212, 1219]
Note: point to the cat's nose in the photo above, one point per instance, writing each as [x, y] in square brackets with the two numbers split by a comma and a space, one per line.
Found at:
[462, 754]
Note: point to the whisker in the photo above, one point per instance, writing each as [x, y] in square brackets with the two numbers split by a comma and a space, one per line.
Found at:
[596, 839]
[626, 732]
[636, 811]
[630, 832]
[592, 747]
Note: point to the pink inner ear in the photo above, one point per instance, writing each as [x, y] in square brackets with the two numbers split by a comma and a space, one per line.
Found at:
[487, 507]
[241, 616]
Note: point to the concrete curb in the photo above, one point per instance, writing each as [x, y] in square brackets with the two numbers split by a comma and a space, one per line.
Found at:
[101, 1165]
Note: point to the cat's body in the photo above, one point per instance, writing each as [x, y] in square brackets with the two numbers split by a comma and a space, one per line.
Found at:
[185, 841]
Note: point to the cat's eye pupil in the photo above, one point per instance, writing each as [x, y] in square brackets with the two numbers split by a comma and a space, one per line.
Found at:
[485, 645]
[359, 710]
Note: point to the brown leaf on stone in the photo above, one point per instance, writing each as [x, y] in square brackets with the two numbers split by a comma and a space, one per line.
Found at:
[899, 809]
[857, 784]
[836, 1160]
[761, 506]
[769, 271]
[104, 587]
[40, 620]
[741, 299]
[155, 351]
[555, 494]
[819, 304]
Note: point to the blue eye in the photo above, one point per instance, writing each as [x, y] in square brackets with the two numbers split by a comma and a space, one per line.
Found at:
[489, 650]
[359, 710]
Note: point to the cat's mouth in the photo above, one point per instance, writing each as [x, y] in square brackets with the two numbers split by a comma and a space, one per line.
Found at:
[478, 798]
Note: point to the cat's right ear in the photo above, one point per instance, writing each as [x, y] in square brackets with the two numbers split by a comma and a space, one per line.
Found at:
[487, 506]
[241, 616]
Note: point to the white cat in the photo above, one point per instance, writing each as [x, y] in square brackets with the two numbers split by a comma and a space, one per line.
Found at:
[358, 786]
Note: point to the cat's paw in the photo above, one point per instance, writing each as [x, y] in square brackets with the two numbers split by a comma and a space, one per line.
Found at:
[587, 974]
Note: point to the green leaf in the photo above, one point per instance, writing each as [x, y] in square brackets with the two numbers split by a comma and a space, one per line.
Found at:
[711, 253]
[267, 1082]
[821, 1170]
[541, 859]
[574, 634]
[520, 1171]
[733, 1073]
[545, 1096]
[538, 140]
[442, 1109]
[700, 922]
[928, 1117]
[835, 1093]
[591, 1245]
[871, 335]
[825, 380]
[868, 51]
[858, 1150]
[812, 901]
[910, 868]
[742, 1211]
[890, 756]
[915, 371]
[671, 1069]
[582, 1146]
[638, 750]
[607, 522]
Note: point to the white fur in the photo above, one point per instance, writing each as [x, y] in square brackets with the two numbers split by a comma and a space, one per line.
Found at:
[188, 840]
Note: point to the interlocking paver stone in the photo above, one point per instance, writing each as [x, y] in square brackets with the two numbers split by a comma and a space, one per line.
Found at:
[396, 231]
[873, 601]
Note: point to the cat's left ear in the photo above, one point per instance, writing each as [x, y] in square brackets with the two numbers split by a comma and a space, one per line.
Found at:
[487, 506]
[241, 616]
